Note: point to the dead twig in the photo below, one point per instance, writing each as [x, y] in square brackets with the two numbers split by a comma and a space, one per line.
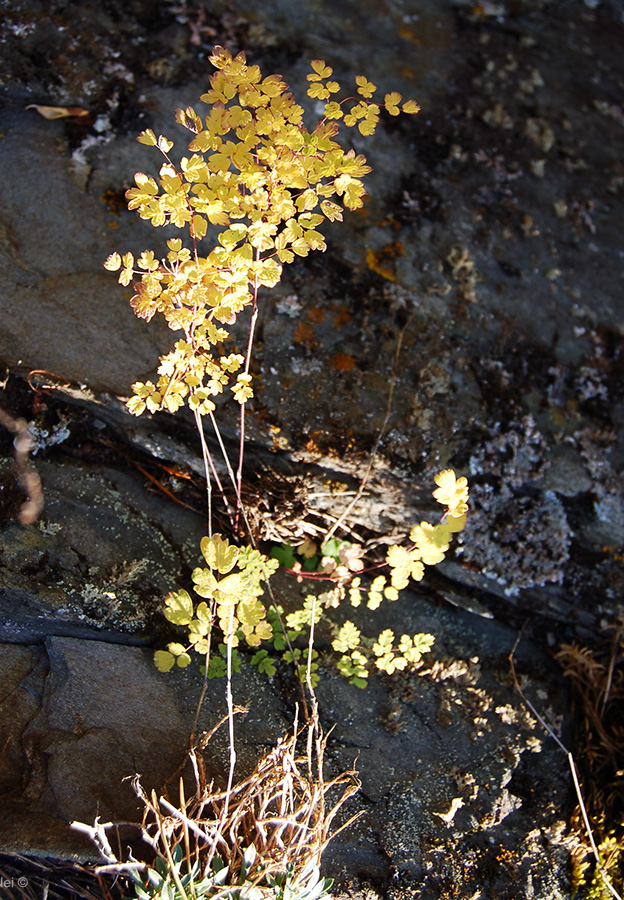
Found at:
[27, 476]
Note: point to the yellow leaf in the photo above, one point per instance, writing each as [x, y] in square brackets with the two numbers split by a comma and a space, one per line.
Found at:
[147, 137]
[367, 127]
[113, 262]
[320, 70]
[199, 227]
[242, 390]
[178, 607]
[189, 118]
[432, 542]
[333, 110]
[250, 612]
[318, 90]
[307, 200]
[219, 553]
[315, 240]
[229, 589]
[163, 660]
[452, 492]
[136, 406]
[164, 144]
[310, 220]
[411, 107]
[365, 88]
[269, 272]
[194, 168]
[455, 523]
[332, 211]
[391, 102]
[397, 557]
[220, 57]
[261, 235]
[264, 631]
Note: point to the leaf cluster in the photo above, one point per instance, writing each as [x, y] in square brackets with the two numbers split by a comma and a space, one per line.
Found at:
[257, 174]
[339, 560]
[175, 879]
[231, 585]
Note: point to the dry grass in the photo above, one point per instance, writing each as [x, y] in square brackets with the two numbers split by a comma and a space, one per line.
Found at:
[285, 809]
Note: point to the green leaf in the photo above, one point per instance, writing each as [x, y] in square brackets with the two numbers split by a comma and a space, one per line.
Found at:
[249, 858]
[331, 548]
[284, 554]
[216, 667]
[264, 662]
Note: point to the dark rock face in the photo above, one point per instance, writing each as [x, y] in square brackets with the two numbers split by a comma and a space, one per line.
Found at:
[491, 250]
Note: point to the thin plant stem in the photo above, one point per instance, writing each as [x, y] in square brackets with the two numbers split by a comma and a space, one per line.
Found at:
[204, 688]
[241, 439]
[233, 478]
[172, 866]
[207, 468]
[310, 646]
[290, 647]
[338, 523]
[230, 707]
[188, 823]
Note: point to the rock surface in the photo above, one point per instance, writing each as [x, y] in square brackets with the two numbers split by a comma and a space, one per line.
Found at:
[491, 249]
[449, 759]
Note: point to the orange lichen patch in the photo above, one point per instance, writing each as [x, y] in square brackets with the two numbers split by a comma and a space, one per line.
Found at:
[342, 362]
[381, 261]
[391, 222]
[342, 316]
[326, 443]
[613, 553]
[304, 335]
[408, 34]
[316, 315]
[115, 200]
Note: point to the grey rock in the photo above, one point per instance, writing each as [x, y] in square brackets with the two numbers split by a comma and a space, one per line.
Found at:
[445, 755]
[490, 246]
